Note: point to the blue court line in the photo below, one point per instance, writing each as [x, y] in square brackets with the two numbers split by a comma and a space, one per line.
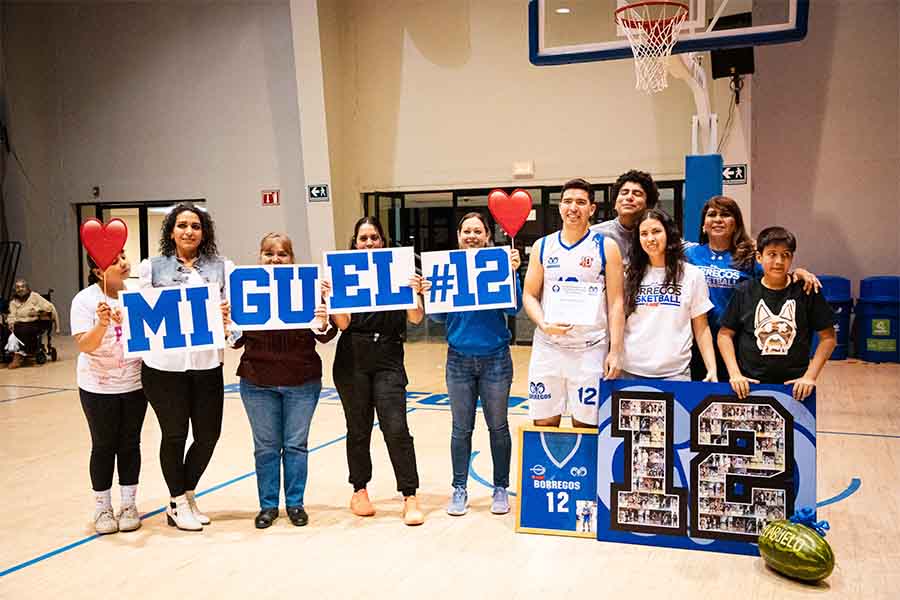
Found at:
[31, 396]
[476, 476]
[153, 513]
[881, 435]
[39, 387]
[855, 484]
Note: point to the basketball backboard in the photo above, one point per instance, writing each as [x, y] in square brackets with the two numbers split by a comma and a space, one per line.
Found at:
[571, 31]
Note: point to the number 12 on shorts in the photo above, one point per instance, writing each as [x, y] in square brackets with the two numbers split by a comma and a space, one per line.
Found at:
[588, 396]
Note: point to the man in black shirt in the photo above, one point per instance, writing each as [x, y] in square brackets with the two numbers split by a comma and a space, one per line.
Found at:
[773, 321]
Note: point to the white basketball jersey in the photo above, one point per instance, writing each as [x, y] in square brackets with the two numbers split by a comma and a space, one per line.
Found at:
[584, 261]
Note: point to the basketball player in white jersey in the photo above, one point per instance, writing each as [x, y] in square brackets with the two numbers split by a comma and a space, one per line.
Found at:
[568, 361]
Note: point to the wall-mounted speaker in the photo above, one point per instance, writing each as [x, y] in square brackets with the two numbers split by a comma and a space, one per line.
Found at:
[732, 61]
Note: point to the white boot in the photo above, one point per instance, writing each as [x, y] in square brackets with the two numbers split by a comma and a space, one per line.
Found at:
[191, 498]
[179, 514]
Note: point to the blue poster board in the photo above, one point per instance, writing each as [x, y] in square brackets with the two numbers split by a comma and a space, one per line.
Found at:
[557, 481]
[689, 465]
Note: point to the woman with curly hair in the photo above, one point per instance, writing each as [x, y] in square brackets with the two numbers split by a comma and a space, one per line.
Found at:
[666, 301]
[185, 387]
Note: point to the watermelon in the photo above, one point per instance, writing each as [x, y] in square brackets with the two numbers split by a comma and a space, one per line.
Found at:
[796, 550]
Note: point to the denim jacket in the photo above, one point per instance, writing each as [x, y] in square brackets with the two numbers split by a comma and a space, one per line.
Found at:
[167, 271]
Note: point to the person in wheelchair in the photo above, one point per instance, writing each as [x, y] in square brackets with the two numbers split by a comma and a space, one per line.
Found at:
[30, 317]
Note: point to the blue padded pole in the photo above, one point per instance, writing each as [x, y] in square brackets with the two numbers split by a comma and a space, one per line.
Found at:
[702, 181]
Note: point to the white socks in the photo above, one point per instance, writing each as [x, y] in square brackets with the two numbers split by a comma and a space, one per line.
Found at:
[129, 495]
[102, 501]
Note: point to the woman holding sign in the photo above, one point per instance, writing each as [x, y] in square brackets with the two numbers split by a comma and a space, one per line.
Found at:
[281, 377]
[185, 387]
[479, 365]
[110, 389]
[666, 301]
[370, 377]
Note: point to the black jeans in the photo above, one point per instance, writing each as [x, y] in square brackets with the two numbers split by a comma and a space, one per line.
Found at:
[382, 391]
[180, 398]
[115, 421]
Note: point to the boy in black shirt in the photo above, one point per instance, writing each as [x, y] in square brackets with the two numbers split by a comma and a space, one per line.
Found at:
[773, 320]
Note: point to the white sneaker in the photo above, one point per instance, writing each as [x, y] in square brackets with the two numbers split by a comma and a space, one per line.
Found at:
[129, 518]
[105, 522]
[179, 514]
[191, 498]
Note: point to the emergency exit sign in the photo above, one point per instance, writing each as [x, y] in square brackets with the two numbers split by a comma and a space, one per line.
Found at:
[271, 197]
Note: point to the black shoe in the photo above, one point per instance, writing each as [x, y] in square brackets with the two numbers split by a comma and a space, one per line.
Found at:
[297, 515]
[266, 517]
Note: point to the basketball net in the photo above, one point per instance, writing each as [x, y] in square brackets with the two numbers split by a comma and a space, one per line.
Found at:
[652, 29]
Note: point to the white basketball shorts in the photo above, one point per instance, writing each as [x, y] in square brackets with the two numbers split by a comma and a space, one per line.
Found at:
[563, 381]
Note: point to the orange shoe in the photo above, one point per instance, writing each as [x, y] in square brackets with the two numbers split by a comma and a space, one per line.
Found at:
[17, 361]
[360, 504]
[411, 513]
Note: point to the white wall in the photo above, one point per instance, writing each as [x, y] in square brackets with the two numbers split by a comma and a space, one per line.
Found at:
[151, 102]
[826, 145]
[441, 94]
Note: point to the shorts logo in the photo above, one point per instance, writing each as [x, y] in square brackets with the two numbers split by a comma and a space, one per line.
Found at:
[586, 262]
[536, 391]
[538, 470]
[578, 471]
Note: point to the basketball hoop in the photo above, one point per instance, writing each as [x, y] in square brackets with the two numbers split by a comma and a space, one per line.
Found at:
[652, 29]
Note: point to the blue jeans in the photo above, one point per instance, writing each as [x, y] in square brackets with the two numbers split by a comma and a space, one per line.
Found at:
[487, 377]
[280, 418]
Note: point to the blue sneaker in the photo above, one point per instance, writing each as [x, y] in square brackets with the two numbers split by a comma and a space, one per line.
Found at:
[459, 502]
[500, 504]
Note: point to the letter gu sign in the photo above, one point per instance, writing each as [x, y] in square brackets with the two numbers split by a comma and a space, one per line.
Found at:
[274, 296]
[370, 280]
[173, 318]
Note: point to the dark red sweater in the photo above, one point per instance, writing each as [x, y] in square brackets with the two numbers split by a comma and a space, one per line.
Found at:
[284, 357]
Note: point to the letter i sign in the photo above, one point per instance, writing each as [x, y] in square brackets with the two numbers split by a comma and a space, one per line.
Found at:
[271, 198]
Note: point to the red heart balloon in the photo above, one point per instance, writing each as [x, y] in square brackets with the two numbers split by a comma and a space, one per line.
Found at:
[104, 242]
[510, 211]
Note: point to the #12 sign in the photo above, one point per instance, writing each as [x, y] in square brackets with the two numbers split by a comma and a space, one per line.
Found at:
[471, 279]
[172, 318]
[690, 465]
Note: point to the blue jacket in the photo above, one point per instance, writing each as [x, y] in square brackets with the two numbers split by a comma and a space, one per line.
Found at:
[479, 332]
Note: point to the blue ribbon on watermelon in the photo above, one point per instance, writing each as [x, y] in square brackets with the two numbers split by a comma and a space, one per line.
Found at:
[807, 516]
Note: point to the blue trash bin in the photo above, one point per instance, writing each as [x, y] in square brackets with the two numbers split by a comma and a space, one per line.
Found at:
[836, 291]
[877, 319]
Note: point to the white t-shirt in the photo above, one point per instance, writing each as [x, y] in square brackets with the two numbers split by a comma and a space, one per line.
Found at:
[180, 360]
[658, 333]
[105, 370]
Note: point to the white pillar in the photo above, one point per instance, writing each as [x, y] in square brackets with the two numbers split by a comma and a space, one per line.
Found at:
[319, 225]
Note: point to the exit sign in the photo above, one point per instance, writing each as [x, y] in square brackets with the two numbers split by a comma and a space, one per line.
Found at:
[271, 197]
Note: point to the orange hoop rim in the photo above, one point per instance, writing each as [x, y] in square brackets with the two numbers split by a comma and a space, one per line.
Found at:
[648, 24]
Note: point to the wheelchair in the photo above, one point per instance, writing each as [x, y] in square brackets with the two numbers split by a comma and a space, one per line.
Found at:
[43, 348]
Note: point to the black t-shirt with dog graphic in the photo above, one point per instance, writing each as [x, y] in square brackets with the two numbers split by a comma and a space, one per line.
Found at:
[773, 329]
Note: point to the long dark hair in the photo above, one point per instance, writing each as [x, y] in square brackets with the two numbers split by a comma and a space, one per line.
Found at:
[207, 246]
[640, 261]
[374, 222]
[743, 250]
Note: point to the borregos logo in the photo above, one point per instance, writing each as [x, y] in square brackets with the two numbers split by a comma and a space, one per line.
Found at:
[537, 391]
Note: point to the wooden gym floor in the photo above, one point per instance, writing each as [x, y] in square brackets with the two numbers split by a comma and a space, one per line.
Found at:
[48, 550]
